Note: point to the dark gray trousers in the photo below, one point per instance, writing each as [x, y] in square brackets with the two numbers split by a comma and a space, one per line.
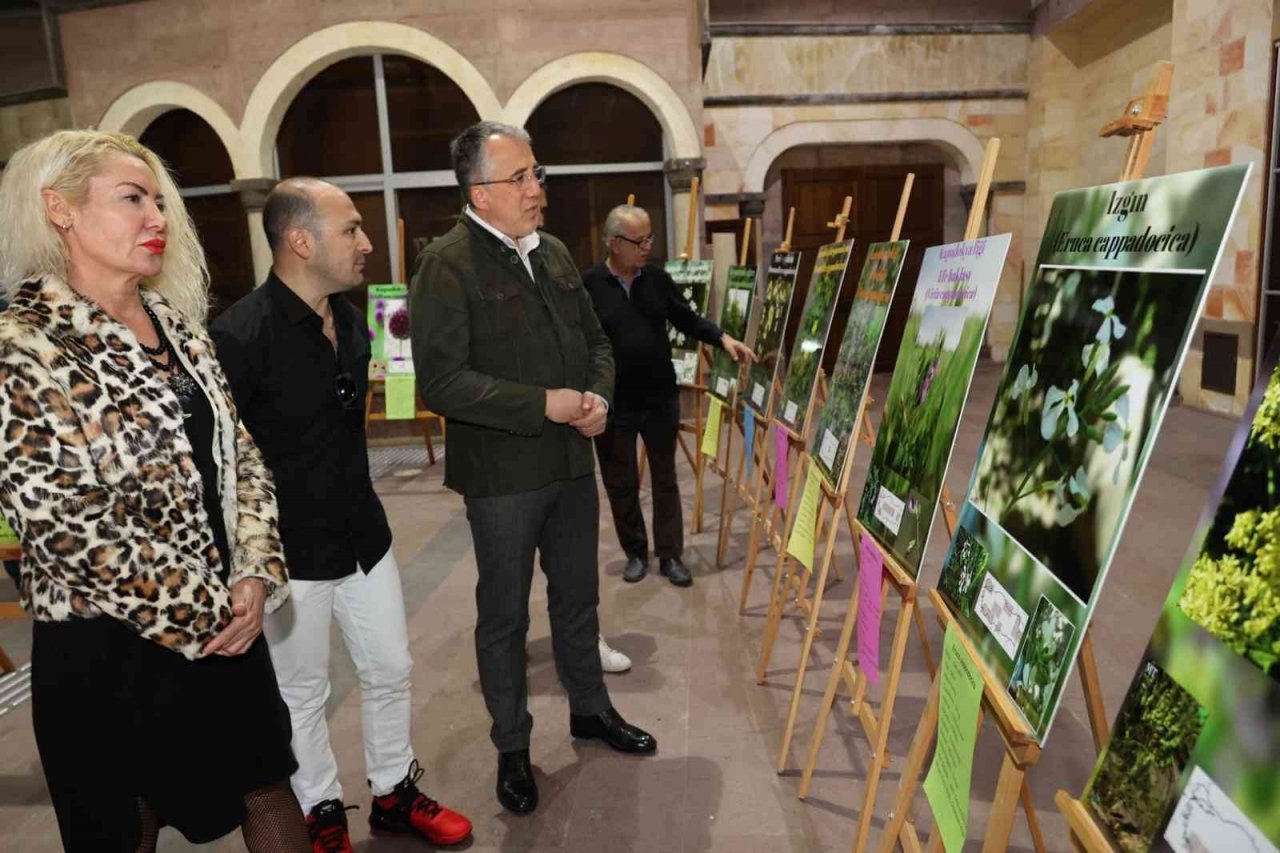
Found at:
[561, 522]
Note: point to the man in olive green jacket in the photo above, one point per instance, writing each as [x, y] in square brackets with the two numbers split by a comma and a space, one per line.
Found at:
[507, 347]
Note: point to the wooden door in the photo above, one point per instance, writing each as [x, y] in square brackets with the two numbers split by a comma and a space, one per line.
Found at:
[818, 194]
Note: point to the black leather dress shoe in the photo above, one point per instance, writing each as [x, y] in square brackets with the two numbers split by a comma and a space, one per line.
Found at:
[675, 571]
[634, 570]
[516, 789]
[609, 727]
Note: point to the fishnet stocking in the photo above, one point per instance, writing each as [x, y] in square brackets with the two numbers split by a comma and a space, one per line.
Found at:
[149, 828]
[273, 821]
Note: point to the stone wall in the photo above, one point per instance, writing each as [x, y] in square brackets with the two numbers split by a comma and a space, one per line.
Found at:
[1221, 50]
[949, 91]
[23, 123]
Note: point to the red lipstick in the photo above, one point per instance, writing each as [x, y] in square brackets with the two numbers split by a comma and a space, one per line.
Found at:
[155, 247]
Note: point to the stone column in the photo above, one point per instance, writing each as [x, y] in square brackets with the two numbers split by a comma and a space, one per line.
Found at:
[680, 174]
[253, 195]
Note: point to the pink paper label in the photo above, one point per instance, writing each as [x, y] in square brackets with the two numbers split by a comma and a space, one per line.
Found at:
[780, 478]
[870, 576]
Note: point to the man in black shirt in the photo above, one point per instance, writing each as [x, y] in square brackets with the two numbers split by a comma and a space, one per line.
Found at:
[296, 354]
[634, 301]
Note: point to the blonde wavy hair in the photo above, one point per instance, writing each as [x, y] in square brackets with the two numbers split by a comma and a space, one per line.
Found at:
[30, 245]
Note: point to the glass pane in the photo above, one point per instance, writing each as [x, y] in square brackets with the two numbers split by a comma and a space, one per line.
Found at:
[427, 213]
[425, 110]
[619, 127]
[578, 204]
[377, 268]
[190, 148]
[223, 227]
[331, 128]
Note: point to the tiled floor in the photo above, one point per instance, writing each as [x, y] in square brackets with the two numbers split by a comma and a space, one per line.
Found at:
[712, 785]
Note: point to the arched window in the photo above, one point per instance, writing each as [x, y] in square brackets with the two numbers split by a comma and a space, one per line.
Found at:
[600, 144]
[379, 127]
[202, 168]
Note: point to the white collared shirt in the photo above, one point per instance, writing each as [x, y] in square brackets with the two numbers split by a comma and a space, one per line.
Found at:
[523, 246]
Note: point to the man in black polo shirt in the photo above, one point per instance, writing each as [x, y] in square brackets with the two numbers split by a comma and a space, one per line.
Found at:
[634, 301]
[296, 354]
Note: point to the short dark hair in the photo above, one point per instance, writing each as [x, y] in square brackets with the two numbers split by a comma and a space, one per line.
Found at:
[291, 204]
[467, 151]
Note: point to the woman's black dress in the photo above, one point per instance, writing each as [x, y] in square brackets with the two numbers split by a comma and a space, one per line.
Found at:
[118, 717]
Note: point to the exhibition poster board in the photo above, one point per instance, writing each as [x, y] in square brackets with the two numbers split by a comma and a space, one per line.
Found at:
[838, 420]
[1121, 279]
[775, 306]
[939, 350]
[1192, 757]
[388, 322]
[811, 336]
[739, 288]
[693, 284]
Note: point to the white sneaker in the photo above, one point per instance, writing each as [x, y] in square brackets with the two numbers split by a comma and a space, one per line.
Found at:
[612, 660]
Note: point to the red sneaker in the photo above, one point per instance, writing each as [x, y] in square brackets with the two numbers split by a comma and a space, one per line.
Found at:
[408, 811]
[327, 825]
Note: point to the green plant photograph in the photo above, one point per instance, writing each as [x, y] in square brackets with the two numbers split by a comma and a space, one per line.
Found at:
[922, 409]
[1138, 775]
[693, 281]
[1233, 589]
[779, 286]
[962, 572]
[739, 289]
[1037, 669]
[837, 422]
[811, 337]
[1087, 380]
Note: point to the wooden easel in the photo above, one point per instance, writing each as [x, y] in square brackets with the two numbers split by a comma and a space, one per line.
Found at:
[798, 583]
[766, 516]
[1021, 749]
[1139, 122]
[699, 383]
[897, 580]
[790, 584]
[730, 407]
[1021, 752]
[759, 450]
[420, 412]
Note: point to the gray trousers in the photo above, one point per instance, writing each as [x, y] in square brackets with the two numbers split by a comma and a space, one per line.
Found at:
[561, 522]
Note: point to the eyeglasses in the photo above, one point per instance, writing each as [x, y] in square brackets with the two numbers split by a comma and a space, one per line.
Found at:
[643, 242]
[538, 175]
[348, 393]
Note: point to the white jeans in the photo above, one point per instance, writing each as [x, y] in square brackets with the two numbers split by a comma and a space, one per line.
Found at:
[370, 613]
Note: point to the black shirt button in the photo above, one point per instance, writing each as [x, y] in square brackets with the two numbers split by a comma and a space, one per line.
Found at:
[514, 259]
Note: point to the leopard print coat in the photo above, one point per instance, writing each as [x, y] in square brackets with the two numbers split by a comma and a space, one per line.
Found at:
[98, 480]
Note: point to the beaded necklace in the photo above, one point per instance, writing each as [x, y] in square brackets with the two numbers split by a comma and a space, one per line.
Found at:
[176, 377]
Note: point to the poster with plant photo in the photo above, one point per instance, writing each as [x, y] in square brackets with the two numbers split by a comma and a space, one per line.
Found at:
[1212, 785]
[388, 324]
[739, 288]
[775, 305]
[811, 336]
[944, 331]
[1120, 281]
[1140, 769]
[693, 282]
[837, 422]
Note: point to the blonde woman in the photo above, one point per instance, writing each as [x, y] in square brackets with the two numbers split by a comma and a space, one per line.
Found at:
[147, 519]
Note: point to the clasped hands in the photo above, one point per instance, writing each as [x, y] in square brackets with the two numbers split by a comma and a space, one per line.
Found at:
[586, 412]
